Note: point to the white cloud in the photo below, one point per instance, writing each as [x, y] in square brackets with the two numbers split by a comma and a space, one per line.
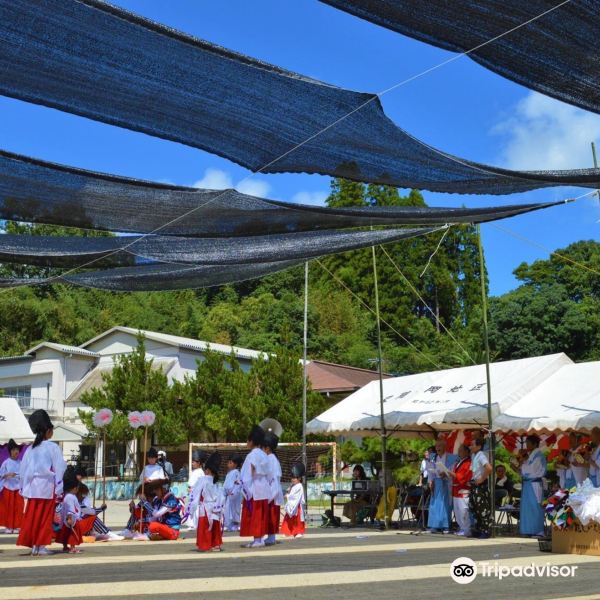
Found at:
[312, 198]
[546, 134]
[214, 179]
[254, 187]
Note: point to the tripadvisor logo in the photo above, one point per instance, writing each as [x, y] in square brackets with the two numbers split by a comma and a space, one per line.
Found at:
[464, 570]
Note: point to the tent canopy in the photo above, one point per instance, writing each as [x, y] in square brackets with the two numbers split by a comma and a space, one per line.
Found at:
[439, 400]
[13, 423]
[569, 399]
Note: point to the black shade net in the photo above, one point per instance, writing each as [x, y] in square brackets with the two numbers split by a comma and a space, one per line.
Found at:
[41, 192]
[553, 55]
[99, 61]
[161, 277]
[75, 251]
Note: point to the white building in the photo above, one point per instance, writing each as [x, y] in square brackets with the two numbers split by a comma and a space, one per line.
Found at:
[54, 376]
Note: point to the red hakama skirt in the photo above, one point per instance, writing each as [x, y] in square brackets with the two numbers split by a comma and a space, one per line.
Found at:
[293, 526]
[163, 530]
[274, 518]
[206, 538]
[255, 518]
[73, 536]
[36, 527]
[11, 509]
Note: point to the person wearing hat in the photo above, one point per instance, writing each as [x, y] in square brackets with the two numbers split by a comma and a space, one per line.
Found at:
[293, 522]
[533, 469]
[152, 471]
[140, 514]
[41, 474]
[11, 501]
[232, 489]
[165, 464]
[208, 503]
[270, 444]
[165, 521]
[256, 490]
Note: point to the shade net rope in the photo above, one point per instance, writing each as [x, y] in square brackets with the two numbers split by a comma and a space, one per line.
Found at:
[99, 61]
[42, 192]
[58, 251]
[553, 54]
[160, 277]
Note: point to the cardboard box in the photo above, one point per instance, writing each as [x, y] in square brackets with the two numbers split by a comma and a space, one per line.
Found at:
[577, 540]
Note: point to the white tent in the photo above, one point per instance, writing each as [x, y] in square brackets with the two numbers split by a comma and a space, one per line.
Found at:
[569, 399]
[439, 400]
[13, 423]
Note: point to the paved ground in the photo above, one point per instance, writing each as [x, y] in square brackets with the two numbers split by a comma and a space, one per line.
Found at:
[349, 564]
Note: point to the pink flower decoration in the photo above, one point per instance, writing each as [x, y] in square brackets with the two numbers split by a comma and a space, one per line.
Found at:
[135, 419]
[148, 418]
[103, 417]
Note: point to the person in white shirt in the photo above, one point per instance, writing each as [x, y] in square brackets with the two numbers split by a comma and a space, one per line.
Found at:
[42, 470]
[595, 457]
[198, 458]
[276, 496]
[232, 489]
[579, 465]
[11, 501]
[208, 503]
[256, 490]
[152, 471]
[479, 498]
[533, 469]
[74, 524]
[293, 522]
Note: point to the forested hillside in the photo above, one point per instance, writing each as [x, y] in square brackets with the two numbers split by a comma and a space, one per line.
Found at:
[556, 307]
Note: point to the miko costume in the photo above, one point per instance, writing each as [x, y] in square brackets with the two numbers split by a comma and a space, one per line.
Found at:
[41, 474]
[256, 490]
[275, 495]
[195, 475]
[531, 519]
[11, 501]
[208, 500]
[232, 489]
[72, 535]
[460, 495]
[293, 522]
[440, 506]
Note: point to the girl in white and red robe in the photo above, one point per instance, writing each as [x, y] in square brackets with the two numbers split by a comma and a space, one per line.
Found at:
[11, 501]
[74, 524]
[256, 490]
[293, 522]
[208, 505]
[232, 489]
[42, 470]
[276, 495]
[461, 474]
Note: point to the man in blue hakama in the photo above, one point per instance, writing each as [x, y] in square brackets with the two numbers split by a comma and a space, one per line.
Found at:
[533, 469]
[440, 506]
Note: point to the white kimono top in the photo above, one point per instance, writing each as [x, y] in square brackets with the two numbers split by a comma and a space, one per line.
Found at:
[10, 483]
[295, 501]
[255, 485]
[207, 499]
[275, 480]
[535, 468]
[70, 506]
[42, 470]
[152, 473]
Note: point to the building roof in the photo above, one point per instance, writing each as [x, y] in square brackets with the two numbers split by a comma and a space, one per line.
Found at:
[62, 348]
[93, 379]
[330, 377]
[181, 342]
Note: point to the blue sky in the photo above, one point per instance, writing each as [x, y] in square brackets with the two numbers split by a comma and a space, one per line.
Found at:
[460, 108]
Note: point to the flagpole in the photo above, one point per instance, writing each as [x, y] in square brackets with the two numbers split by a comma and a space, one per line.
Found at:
[488, 383]
[381, 408]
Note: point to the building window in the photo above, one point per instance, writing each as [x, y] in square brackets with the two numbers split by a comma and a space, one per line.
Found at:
[22, 393]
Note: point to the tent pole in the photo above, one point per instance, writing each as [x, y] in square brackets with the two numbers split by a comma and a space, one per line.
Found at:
[305, 380]
[381, 408]
[492, 477]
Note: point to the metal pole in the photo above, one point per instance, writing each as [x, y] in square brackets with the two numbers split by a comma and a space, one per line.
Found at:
[595, 163]
[305, 379]
[381, 408]
[488, 383]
